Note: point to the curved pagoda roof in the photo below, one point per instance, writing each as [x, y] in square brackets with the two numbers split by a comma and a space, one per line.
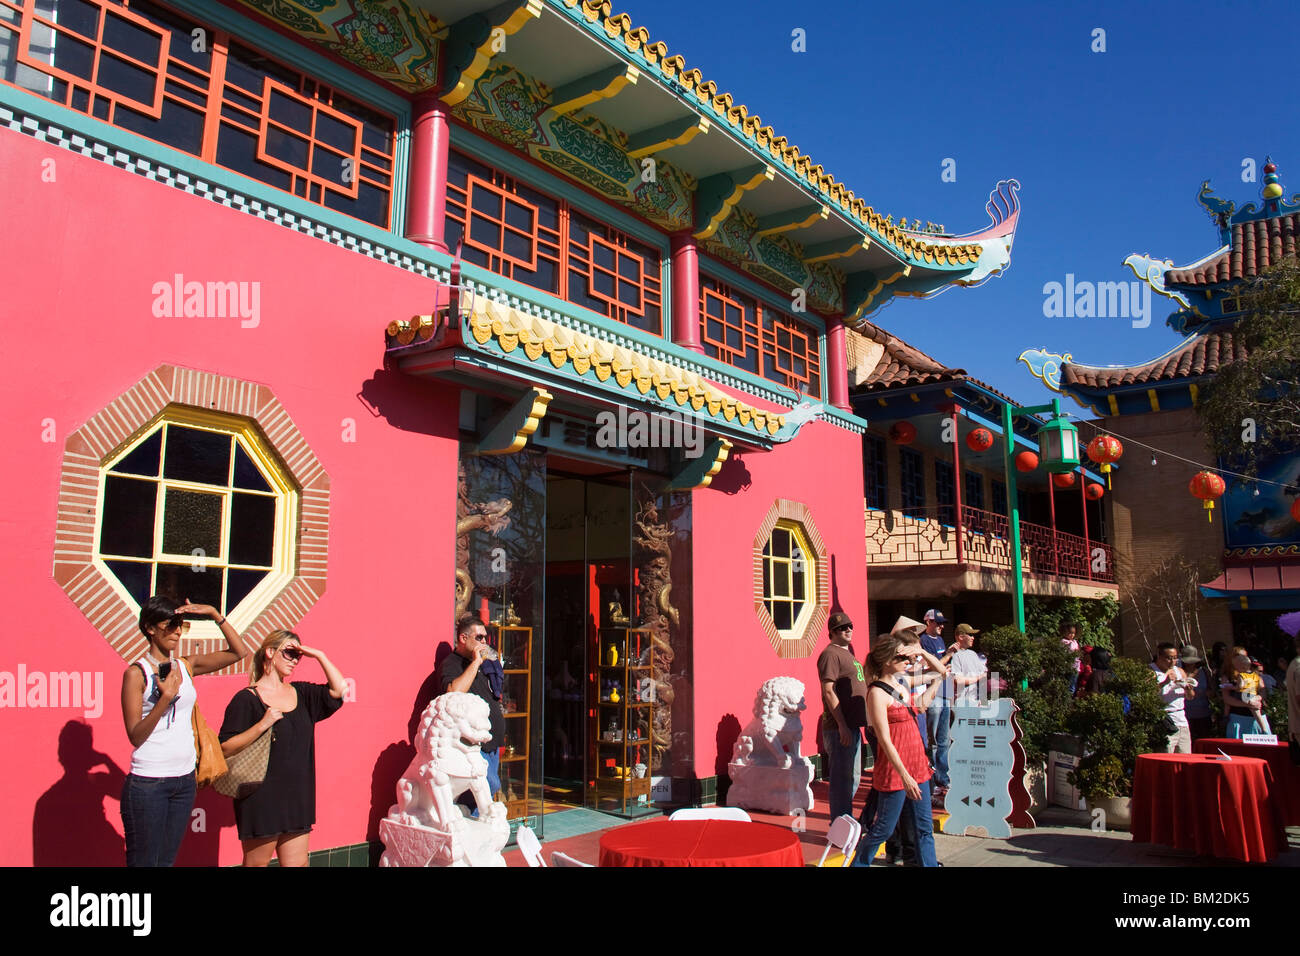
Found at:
[581, 90]
[1254, 238]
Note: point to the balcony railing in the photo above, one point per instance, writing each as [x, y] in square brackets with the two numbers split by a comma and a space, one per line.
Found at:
[923, 536]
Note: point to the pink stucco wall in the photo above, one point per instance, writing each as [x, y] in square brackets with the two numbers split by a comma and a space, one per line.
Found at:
[82, 255]
[820, 468]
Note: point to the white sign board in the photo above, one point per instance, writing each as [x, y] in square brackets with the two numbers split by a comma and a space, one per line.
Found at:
[661, 789]
[1060, 792]
[1259, 739]
[980, 762]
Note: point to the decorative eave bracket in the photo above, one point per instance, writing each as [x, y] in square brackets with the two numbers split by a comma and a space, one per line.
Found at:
[511, 431]
[699, 472]
[472, 42]
[717, 195]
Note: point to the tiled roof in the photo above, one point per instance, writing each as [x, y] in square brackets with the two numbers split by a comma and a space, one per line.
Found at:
[1200, 355]
[896, 364]
[1255, 246]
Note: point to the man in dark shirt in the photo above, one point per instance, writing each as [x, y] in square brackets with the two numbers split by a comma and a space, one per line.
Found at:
[844, 714]
[469, 671]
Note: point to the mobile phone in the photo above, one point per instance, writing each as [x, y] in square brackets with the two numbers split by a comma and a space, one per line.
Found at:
[164, 669]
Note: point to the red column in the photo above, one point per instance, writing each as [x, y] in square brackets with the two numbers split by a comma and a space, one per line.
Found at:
[1083, 500]
[837, 367]
[956, 464]
[686, 292]
[426, 205]
[1056, 544]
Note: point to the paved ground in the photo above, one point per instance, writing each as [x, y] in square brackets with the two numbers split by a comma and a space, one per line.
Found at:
[1063, 838]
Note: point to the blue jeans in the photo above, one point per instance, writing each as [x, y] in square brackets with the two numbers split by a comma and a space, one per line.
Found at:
[845, 771]
[493, 759]
[891, 808]
[939, 717]
[155, 815]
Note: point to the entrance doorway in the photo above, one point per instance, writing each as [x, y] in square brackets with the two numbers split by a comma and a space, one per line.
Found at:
[593, 715]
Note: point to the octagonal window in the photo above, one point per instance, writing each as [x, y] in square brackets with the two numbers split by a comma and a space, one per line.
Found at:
[789, 578]
[196, 507]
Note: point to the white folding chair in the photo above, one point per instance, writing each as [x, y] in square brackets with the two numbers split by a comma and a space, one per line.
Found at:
[526, 839]
[710, 813]
[844, 835]
[563, 859]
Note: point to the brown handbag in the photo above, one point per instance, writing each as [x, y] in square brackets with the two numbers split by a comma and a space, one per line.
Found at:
[247, 769]
[211, 762]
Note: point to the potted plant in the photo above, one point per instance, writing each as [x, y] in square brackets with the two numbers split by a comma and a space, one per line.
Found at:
[1115, 727]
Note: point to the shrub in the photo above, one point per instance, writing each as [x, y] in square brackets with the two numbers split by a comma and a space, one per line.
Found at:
[1043, 617]
[1112, 739]
[1037, 675]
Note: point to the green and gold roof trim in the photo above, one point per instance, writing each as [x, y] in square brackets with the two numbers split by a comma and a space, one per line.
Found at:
[607, 367]
[617, 28]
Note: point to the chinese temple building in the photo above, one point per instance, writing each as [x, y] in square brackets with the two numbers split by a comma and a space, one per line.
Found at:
[1255, 546]
[936, 500]
[349, 318]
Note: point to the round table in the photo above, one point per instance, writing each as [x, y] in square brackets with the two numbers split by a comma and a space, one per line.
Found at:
[700, 843]
[1286, 775]
[1204, 803]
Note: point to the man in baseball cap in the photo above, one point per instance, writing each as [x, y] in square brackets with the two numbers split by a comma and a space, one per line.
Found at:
[844, 713]
[939, 716]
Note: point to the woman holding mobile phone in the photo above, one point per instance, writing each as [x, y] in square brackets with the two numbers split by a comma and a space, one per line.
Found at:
[276, 819]
[158, 696]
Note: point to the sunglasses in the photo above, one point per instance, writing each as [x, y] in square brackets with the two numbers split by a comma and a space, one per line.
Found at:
[845, 627]
[177, 622]
[291, 653]
[901, 658]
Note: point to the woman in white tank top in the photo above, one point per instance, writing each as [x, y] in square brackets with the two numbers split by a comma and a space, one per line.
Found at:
[158, 698]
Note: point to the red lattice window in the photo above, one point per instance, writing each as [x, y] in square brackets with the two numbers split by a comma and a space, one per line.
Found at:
[728, 325]
[616, 276]
[508, 228]
[744, 333]
[501, 224]
[790, 354]
[522, 234]
[146, 69]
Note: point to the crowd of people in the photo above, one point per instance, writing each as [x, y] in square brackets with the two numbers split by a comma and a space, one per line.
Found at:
[902, 702]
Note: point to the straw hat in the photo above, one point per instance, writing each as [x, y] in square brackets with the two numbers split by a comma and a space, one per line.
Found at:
[905, 625]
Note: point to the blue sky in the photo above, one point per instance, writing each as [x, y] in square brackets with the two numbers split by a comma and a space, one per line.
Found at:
[1110, 148]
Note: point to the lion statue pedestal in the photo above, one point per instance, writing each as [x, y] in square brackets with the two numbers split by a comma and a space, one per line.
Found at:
[427, 827]
[767, 772]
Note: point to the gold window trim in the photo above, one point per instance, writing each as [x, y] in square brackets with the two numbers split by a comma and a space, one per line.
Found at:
[802, 639]
[194, 394]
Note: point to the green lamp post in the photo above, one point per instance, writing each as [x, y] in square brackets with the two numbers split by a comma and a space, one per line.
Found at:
[1058, 446]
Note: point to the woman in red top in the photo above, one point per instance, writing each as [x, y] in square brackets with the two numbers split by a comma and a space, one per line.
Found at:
[901, 777]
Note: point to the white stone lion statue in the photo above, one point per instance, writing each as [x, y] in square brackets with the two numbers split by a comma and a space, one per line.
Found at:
[427, 827]
[767, 771]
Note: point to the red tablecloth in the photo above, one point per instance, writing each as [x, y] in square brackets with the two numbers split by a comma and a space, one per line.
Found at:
[700, 843]
[1286, 775]
[1214, 806]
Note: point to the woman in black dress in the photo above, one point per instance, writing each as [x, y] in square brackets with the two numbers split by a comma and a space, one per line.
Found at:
[276, 819]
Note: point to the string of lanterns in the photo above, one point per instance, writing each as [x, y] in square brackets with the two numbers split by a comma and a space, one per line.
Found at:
[1105, 449]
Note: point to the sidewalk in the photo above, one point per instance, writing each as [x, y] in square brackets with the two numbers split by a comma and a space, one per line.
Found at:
[1062, 838]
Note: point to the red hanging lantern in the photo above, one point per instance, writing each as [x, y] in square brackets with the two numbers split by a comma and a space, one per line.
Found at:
[902, 433]
[1295, 510]
[1094, 492]
[1026, 461]
[981, 439]
[1103, 450]
[1065, 480]
[1207, 486]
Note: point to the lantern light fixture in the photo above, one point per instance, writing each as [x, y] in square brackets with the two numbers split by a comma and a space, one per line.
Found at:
[1058, 441]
